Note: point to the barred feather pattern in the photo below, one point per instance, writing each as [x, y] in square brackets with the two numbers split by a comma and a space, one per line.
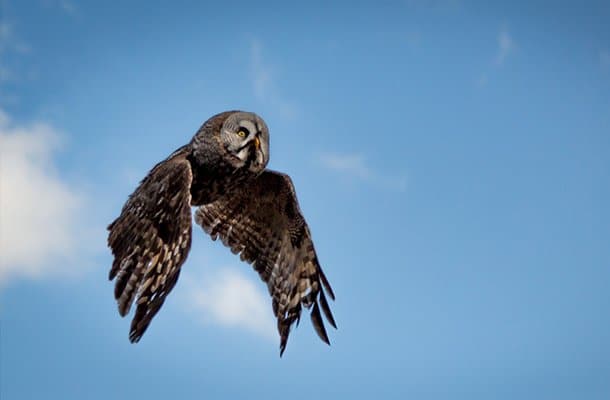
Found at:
[262, 222]
[151, 239]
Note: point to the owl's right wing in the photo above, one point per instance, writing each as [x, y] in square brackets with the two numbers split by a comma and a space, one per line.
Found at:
[151, 239]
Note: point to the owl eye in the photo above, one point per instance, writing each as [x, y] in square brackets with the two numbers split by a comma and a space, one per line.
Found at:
[242, 132]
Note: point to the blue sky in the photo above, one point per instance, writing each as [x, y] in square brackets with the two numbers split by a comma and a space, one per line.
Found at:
[452, 159]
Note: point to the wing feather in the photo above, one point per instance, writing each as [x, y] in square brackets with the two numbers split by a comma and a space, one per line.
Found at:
[150, 241]
[263, 224]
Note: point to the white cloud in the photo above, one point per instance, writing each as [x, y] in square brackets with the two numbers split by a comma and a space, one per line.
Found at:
[228, 297]
[354, 166]
[264, 86]
[38, 210]
[506, 45]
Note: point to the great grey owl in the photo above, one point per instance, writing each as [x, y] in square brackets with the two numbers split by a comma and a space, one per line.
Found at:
[253, 210]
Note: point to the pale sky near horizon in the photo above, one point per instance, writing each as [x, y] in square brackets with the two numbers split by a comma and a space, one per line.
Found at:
[452, 159]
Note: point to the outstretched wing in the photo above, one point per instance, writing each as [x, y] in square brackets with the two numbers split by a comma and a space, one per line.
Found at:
[150, 241]
[263, 223]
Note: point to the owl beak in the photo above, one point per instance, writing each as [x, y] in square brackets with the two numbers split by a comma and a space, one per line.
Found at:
[257, 142]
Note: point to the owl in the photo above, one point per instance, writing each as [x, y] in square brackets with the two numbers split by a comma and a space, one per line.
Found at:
[253, 210]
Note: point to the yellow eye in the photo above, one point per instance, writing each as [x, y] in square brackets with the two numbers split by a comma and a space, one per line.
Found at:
[241, 133]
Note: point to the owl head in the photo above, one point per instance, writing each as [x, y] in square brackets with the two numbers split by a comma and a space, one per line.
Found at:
[240, 138]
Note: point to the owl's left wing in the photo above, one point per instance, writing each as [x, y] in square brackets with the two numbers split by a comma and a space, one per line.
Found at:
[151, 239]
[263, 223]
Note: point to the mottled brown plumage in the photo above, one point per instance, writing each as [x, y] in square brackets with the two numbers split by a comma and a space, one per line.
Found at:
[253, 210]
[263, 223]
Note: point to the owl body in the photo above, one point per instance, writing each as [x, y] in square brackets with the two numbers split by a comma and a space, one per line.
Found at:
[254, 211]
[217, 170]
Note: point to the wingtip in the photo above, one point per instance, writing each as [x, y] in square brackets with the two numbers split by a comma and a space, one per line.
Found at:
[134, 337]
[283, 343]
[317, 323]
[326, 309]
[326, 284]
[123, 309]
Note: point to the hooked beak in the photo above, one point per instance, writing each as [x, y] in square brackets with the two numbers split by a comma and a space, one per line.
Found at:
[257, 142]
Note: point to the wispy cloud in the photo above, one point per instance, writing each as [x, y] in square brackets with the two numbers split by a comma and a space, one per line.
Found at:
[261, 72]
[231, 298]
[354, 166]
[5, 35]
[263, 83]
[506, 45]
[350, 164]
[11, 49]
[68, 7]
[10, 42]
[39, 211]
